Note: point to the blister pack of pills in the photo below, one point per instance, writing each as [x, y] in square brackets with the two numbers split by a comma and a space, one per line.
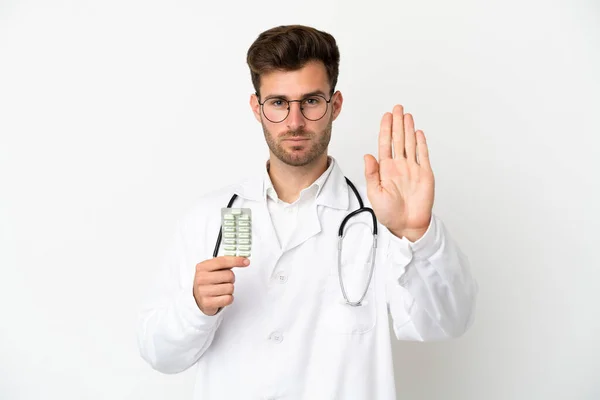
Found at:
[236, 227]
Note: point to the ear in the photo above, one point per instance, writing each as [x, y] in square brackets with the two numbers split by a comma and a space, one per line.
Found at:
[336, 103]
[255, 106]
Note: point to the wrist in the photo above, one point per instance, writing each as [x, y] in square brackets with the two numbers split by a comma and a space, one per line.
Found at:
[411, 234]
[414, 234]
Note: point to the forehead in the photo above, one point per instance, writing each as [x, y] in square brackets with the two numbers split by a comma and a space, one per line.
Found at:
[310, 78]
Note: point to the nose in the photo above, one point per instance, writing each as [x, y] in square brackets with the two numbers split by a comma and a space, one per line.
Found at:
[295, 119]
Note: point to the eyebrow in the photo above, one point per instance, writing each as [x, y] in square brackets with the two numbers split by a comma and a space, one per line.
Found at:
[284, 97]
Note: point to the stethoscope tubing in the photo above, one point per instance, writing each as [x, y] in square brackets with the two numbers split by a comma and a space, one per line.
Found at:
[361, 209]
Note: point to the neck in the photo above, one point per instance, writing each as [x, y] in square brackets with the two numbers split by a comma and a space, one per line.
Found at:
[289, 181]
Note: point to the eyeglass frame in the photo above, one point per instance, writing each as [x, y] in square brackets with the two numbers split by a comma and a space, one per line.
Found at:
[295, 101]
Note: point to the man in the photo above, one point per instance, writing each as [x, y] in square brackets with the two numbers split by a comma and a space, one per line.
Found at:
[293, 321]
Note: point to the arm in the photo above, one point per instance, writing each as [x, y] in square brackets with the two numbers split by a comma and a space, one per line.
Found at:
[429, 289]
[172, 331]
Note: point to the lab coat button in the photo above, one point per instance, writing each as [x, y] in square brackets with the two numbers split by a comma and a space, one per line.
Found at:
[282, 279]
[276, 337]
[402, 280]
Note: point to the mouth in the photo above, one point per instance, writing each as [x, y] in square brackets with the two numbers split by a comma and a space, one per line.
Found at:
[296, 140]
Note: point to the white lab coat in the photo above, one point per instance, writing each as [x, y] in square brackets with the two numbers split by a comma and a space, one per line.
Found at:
[288, 334]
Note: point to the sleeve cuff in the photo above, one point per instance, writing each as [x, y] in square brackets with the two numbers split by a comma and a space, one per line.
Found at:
[422, 248]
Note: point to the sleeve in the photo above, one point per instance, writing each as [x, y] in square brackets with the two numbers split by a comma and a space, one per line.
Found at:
[172, 331]
[430, 291]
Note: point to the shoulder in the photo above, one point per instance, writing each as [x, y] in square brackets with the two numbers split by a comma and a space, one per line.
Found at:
[206, 210]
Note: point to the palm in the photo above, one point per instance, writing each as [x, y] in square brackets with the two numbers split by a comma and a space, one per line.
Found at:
[400, 186]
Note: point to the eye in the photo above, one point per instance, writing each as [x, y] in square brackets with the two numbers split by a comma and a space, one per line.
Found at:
[277, 103]
[312, 101]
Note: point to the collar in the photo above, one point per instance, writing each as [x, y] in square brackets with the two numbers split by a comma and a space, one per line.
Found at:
[332, 188]
[315, 187]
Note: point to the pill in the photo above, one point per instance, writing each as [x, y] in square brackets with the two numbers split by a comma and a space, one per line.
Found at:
[236, 227]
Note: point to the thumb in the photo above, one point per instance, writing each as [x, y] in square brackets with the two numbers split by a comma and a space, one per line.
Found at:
[371, 172]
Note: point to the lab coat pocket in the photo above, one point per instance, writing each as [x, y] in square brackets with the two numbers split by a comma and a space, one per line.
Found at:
[340, 317]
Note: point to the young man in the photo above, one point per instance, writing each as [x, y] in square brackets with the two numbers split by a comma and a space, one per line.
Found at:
[297, 322]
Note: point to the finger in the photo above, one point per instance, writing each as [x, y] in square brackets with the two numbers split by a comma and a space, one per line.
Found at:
[385, 137]
[372, 173]
[220, 289]
[215, 277]
[398, 131]
[422, 150]
[219, 301]
[410, 141]
[225, 262]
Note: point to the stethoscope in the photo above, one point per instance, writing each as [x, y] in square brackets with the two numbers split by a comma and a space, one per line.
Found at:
[361, 209]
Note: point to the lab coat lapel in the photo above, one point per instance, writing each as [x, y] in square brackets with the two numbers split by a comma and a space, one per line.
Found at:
[308, 225]
[334, 194]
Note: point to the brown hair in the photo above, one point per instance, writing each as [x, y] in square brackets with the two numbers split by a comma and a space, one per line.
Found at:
[289, 48]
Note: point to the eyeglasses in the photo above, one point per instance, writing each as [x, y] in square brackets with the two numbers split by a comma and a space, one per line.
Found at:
[313, 108]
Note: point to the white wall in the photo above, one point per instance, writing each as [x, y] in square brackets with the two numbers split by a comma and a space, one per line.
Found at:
[113, 116]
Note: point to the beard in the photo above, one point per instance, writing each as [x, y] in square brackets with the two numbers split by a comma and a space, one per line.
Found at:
[304, 153]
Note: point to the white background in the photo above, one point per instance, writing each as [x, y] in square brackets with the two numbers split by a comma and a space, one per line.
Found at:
[115, 116]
